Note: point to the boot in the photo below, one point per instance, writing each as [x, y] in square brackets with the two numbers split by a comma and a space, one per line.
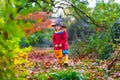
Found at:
[66, 60]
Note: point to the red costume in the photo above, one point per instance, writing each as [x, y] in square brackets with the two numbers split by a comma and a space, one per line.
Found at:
[60, 38]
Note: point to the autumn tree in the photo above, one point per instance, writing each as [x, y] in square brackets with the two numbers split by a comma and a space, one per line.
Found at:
[12, 30]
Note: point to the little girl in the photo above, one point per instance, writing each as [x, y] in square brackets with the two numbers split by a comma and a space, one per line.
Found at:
[60, 43]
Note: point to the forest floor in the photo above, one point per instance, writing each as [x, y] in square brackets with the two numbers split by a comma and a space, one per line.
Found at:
[44, 62]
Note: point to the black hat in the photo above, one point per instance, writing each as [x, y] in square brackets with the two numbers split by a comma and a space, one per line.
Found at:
[58, 24]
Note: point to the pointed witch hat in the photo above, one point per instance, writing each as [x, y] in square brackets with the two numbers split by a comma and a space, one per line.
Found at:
[59, 22]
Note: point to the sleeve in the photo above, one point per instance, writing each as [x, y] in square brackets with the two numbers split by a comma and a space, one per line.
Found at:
[53, 39]
[65, 38]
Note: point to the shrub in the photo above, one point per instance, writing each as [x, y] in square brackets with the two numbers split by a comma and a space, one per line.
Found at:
[68, 74]
[98, 43]
[38, 39]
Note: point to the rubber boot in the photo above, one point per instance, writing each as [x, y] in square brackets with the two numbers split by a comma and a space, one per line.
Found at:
[66, 60]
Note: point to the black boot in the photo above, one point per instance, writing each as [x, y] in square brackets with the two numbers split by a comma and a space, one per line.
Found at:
[65, 64]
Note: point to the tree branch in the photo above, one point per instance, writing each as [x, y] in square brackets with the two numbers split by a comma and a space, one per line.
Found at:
[77, 9]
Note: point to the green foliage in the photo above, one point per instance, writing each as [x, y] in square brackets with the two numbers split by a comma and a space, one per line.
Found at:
[78, 48]
[27, 6]
[106, 13]
[98, 43]
[37, 39]
[12, 57]
[101, 37]
[106, 52]
[68, 74]
[11, 33]
[115, 31]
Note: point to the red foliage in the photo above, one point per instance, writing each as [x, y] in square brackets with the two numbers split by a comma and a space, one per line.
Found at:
[40, 21]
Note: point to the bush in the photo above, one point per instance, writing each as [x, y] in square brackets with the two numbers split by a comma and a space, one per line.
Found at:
[38, 39]
[67, 74]
[98, 43]
[78, 48]
[107, 51]
[10, 34]
[115, 31]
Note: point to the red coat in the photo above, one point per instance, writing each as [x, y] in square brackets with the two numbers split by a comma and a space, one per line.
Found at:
[60, 38]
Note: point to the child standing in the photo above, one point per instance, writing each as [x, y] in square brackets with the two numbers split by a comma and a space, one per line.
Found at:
[59, 40]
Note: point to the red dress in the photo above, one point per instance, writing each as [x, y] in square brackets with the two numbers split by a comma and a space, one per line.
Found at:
[60, 38]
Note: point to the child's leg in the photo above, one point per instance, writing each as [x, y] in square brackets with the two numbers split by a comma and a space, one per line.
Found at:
[65, 58]
[65, 53]
[60, 61]
[58, 55]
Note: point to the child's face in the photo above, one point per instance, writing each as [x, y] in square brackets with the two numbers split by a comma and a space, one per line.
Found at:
[58, 27]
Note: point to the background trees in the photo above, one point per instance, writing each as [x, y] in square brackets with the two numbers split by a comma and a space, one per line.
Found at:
[92, 26]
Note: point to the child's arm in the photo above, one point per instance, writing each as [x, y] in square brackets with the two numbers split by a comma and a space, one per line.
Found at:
[65, 38]
[54, 41]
